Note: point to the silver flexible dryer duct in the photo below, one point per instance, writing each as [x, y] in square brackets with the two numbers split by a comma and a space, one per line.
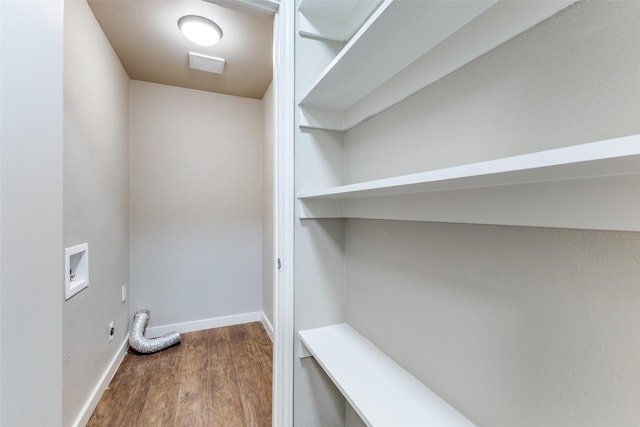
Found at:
[139, 343]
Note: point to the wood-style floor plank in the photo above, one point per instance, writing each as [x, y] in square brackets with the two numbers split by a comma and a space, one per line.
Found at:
[161, 403]
[243, 348]
[255, 388]
[219, 377]
[264, 347]
[226, 406]
[255, 395]
[193, 403]
[193, 400]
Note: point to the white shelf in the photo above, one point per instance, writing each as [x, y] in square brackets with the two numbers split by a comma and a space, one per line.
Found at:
[436, 38]
[595, 185]
[334, 20]
[381, 392]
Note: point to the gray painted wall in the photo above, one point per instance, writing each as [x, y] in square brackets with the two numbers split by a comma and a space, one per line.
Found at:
[31, 291]
[268, 202]
[510, 325]
[96, 201]
[513, 326]
[195, 203]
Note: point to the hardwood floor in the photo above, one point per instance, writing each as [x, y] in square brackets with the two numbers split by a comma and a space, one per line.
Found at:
[218, 377]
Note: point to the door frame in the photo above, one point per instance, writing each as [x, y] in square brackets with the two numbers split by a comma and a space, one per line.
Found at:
[284, 214]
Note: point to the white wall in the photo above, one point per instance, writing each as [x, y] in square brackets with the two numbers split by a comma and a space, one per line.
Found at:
[268, 203]
[195, 203]
[513, 326]
[31, 271]
[96, 201]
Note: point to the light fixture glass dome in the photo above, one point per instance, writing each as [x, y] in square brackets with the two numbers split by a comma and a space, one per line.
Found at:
[199, 30]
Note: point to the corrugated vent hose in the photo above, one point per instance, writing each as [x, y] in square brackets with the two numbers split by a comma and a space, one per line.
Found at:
[139, 343]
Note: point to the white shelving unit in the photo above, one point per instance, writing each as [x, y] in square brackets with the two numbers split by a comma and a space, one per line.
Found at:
[428, 40]
[582, 182]
[392, 49]
[380, 391]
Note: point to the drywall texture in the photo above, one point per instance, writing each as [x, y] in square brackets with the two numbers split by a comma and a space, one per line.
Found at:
[268, 203]
[96, 201]
[512, 326]
[31, 292]
[195, 203]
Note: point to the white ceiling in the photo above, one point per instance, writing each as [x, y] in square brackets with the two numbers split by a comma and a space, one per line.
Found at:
[146, 38]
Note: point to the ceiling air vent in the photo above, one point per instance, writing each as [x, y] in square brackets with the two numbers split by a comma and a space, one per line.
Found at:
[206, 63]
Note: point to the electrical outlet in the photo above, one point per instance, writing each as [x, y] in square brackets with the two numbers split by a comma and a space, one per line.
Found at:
[124, 292]
[112, 331]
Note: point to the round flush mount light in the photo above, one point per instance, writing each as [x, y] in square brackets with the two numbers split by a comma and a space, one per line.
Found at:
[199, 30]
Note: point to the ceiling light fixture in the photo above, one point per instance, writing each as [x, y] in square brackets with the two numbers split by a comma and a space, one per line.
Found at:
[199, 30]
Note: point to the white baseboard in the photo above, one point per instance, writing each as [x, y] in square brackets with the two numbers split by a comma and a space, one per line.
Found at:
[198, 325]
[267, 326]
[103, 383]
